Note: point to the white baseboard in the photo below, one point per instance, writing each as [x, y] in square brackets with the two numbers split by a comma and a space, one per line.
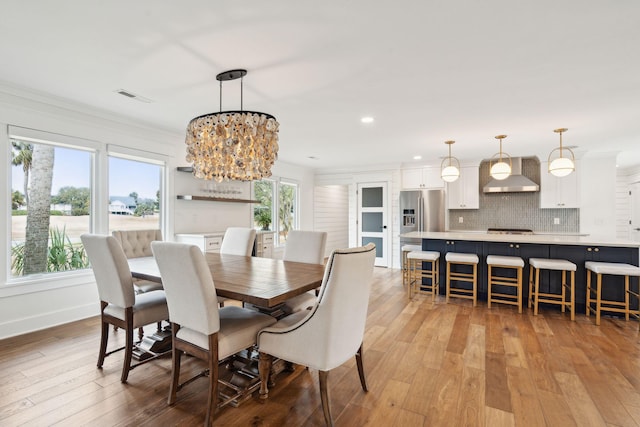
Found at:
[38, 322]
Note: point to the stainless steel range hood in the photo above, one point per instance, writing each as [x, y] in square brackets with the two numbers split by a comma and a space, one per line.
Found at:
[515, 183]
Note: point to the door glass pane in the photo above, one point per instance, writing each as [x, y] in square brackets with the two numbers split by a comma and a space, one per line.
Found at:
[372, 197]
[376, 241]
[51, 195]
[134, 195]
[372, 222]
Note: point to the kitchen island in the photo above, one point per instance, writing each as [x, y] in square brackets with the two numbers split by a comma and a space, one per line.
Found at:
[575, 248]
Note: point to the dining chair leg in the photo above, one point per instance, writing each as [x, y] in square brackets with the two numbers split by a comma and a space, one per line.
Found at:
[176, 356]
[104, 338]
[363, 381]
[324, 397]
[264, 368]
[128, 349]
[212, 405]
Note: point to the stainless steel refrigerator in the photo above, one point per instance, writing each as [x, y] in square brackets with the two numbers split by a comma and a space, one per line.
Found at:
[421, 210]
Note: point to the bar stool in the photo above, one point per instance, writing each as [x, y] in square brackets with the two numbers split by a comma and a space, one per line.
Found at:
[416, 261]
[613, 269]
[504, 262]
[455, 258]
[535, 296]
[405, 267]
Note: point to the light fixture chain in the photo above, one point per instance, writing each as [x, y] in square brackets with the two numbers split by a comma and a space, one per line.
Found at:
[221, 96]
[241, 93]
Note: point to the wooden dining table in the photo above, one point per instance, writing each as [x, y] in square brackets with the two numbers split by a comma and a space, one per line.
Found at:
[263, 282]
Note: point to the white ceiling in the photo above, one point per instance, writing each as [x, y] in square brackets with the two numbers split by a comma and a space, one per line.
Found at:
[427, 71]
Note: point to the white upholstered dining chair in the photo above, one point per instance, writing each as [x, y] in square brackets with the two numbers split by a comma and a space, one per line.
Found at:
[329, 334]
[198, 326]
[119, 304]
[307, 247]
[238, 241]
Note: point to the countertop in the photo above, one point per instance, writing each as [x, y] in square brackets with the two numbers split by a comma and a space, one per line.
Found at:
[544, 239]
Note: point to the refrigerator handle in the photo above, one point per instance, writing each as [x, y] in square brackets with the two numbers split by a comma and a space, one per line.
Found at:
[420, 214]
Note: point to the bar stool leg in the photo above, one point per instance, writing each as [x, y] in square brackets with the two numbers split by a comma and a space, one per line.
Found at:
[588, 293]
[530, 287]
[519, 290]
[475, 284]
[436, 279]
[535, 292]
[410, 274]
[598, 297]
[564, 287]
[573, 295]
[626, 298]
[448, 282]
[490, 285]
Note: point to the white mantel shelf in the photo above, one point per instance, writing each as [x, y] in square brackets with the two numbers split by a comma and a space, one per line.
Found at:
[544, 239]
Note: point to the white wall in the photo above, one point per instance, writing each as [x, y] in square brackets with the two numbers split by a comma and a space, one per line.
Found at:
[37, 303]
[331, 214]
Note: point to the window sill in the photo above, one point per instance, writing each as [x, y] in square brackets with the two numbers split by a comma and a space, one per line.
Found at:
[46, 282]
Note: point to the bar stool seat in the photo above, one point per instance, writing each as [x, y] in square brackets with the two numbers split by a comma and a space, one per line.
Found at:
[457, 258]
[536, 297]
[504, 262]
[417, 271]
[405, 266]
[613, 269]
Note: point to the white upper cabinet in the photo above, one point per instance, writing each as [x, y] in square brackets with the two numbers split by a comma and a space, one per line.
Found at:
[426, 177]
[464, 193]
[558, 193]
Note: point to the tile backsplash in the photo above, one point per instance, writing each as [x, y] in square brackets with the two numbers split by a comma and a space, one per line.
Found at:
[514, 210]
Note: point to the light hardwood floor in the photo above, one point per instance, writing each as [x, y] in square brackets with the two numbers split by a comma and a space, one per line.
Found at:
[426, 364]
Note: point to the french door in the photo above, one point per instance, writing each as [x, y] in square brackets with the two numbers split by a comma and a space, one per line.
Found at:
[373, 219]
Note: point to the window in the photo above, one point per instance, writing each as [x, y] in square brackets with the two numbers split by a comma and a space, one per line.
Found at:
[134, 194]
[61, 188]
[50, 205]
[276, 195]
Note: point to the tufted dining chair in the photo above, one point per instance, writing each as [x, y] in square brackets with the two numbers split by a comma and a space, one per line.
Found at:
[238, 241]
[119, 304]
[307, 247]
[137, 244]
[329, 334]
[199, 328]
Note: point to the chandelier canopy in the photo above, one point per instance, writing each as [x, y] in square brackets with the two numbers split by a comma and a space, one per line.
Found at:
[232, 145]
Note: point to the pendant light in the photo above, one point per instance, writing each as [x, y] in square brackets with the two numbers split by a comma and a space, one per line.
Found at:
[562, 165]
[500, 167]
[450, 166]
[232, 145]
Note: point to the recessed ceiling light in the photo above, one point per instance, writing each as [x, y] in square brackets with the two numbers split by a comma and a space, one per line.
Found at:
[367, 119]
[417, 157]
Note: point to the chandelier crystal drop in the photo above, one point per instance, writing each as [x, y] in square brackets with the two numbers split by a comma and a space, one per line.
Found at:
[232, 145]
[450, 166]
[562, 165]
[500, 167]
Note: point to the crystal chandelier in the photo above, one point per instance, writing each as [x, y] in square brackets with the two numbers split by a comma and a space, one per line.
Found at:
[451, 171]
[232, 145]
[501, 169]
[562, 165]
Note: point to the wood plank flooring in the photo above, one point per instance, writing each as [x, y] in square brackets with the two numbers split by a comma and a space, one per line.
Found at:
[427, 365]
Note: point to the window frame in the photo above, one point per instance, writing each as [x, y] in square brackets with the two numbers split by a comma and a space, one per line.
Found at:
[99, 220]
[275, 205]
